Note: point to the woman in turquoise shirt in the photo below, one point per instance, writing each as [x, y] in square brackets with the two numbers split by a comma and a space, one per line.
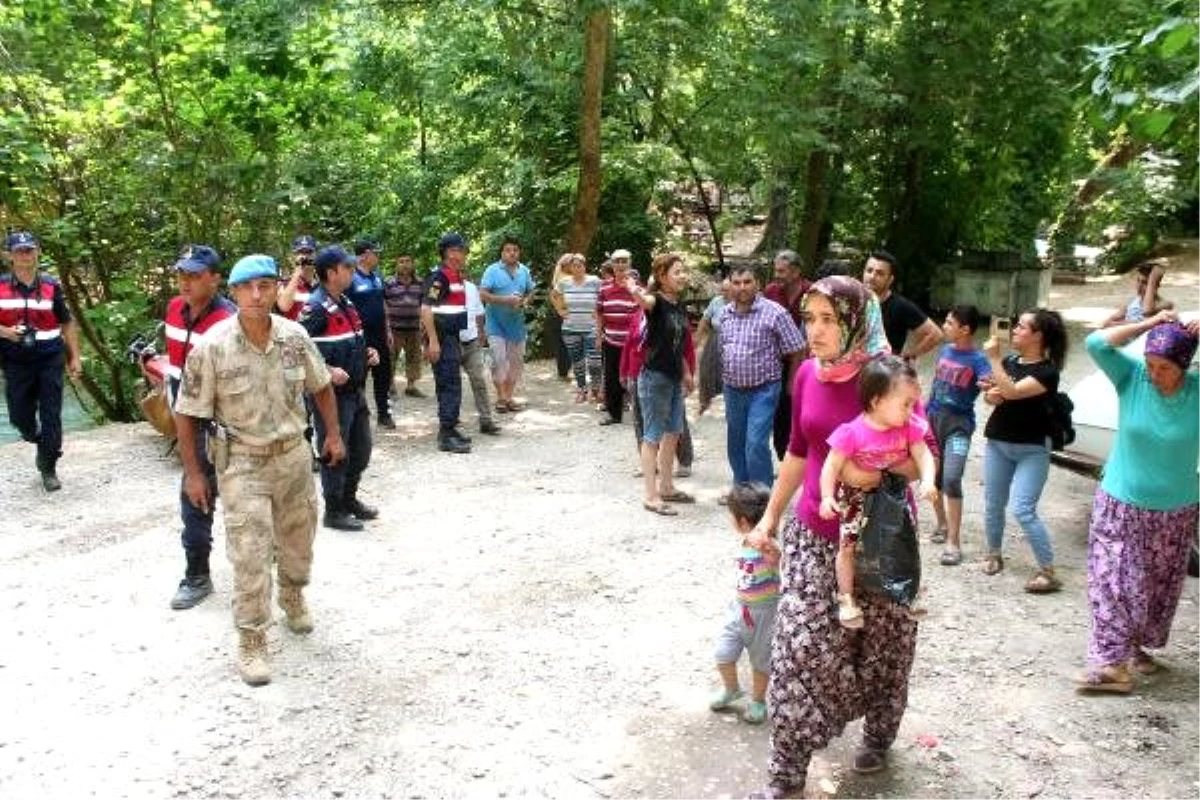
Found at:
[1145, 512]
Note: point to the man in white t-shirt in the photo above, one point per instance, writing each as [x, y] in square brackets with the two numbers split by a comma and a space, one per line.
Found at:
[474, 363]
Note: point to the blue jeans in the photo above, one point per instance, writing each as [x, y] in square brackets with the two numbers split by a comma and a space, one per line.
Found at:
[1018, 471]
[585, 358]
[749, 419]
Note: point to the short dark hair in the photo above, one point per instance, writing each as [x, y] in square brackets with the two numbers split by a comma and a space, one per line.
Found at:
[506, 241]
[748, 501]
[884, 255]
[738, 268]
[832, 267]
[966, 314]
[330, 258]
[879, 375]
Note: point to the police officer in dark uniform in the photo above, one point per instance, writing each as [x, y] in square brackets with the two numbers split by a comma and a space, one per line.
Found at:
[366, 292]
[37, 338]
[443, 316]
[334, 325]
[190, 316]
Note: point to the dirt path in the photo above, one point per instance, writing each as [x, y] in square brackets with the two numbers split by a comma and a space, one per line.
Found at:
[537, 634]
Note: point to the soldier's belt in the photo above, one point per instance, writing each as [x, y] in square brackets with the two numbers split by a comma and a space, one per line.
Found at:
[272, 449]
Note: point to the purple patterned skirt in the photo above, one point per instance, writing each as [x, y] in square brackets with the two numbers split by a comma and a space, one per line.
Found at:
[822, 675]
[1137, 561]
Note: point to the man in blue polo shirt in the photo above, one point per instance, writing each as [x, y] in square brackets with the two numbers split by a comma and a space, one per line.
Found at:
[507, 288]
[366, 292]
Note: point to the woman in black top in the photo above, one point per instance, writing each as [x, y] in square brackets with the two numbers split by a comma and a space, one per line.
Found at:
[663, 381]
[1016, 459]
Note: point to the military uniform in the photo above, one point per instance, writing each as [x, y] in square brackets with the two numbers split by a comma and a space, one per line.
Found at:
[445, 293]
[257, 401]
[34, 363]
[185, 332]
[337, 330]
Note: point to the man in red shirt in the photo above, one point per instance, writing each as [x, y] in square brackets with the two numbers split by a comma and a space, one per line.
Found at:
[616, 309]
[788, 290]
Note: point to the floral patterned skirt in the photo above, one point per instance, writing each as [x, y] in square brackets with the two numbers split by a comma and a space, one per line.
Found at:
[1137, 562]
[823, 675]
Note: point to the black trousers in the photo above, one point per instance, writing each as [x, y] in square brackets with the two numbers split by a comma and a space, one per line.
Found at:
[34, 392]
[614, 392]
[782, 429]
[381, 375]
[339, 484]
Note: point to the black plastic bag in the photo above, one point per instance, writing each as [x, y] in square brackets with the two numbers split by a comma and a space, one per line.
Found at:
[889, 559]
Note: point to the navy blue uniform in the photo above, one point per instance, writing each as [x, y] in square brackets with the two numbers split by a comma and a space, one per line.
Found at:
[366, 292]
[33, 367]
[337, 330]
[184, 333]
[444, 291]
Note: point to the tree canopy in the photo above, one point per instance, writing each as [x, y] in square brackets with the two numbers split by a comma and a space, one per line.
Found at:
[925, 126]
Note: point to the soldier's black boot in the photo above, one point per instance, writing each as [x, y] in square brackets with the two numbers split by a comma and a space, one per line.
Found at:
[196, 584]
[360, 509]
[338, 518]
[450, 442]
[50, 481]
[355, 506]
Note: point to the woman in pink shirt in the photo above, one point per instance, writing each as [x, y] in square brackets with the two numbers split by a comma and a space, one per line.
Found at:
[823, 675]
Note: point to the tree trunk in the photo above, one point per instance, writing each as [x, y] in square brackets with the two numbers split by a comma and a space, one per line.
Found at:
[816, 206]
[775, 234]
[587, 197]
[1066, 228]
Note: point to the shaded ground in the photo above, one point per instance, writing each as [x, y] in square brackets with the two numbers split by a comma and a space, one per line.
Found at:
[516, 625]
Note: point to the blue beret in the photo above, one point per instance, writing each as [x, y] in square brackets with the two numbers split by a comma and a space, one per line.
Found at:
[304, 242]
[251, 267]
[22, 240]
[198, 258]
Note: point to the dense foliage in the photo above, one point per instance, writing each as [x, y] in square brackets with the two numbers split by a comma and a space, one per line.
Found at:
[927, 126]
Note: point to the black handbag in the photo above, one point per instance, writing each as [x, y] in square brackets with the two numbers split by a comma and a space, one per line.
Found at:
[888, 558]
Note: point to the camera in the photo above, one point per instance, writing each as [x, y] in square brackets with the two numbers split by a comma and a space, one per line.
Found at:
[305, 260]
[28, 336]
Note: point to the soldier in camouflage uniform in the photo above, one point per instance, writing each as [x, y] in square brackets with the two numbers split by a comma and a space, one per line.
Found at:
[249, 376]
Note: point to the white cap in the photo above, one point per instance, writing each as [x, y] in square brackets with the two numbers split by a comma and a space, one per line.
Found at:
[625, 254]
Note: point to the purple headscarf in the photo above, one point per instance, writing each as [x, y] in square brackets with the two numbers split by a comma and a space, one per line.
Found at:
[1173, 342]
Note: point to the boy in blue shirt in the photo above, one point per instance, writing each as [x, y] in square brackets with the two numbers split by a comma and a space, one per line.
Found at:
[951, 412]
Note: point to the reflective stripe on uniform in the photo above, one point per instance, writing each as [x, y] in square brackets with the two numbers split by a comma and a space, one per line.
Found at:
[32, 303]
[337, 337]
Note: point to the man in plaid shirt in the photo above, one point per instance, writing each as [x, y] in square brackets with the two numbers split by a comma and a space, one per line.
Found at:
[758, 337]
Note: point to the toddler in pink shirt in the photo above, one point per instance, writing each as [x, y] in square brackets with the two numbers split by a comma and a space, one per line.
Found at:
[885, 435]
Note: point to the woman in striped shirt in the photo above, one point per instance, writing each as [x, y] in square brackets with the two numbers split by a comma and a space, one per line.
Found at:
[575, 297]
